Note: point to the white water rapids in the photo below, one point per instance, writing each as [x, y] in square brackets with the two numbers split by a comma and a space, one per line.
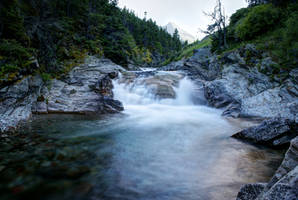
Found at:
[175, 149]
[163, 149]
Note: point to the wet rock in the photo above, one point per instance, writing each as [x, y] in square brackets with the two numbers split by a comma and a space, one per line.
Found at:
[113, 75]
[283, 185]
[16, 102]
[104, 86]
[161, 85]
[232, 110]
[289, 163]
[250, 191]
[112, 106]
[216, 94]
[273, 132]
[70, 95]
[84, 89]
[284, 189]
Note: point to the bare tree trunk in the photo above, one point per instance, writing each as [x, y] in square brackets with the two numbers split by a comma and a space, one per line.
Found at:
[225, 30]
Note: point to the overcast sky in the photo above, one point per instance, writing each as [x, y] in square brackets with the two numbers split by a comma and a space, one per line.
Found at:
[187, 14]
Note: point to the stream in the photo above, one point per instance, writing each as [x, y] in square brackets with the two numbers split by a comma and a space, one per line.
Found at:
[161, 149]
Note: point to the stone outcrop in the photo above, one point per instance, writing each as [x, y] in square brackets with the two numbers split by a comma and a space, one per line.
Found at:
[240, 83]
[86, 89]
[250, 191]
[273, 132]
[283, 185]
[202, 65]
[16, 101]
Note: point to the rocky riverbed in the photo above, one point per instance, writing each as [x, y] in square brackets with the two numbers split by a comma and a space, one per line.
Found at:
[239, 84]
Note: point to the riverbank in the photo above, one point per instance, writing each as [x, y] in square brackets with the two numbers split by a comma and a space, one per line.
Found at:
[155, 103]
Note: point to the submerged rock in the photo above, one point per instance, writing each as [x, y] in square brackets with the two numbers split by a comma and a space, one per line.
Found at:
[283, 185]
[160, 85]
[285, 189]
[289, 163]
[272, 132]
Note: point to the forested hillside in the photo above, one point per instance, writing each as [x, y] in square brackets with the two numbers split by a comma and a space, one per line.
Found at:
[51, 36]
[269, 24]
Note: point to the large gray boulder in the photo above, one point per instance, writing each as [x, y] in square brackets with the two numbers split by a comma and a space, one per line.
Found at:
[202, 65]
[16, 102]
[273, 132]
[86, 89]
[244, 79]
[285, 189]
[218, 97]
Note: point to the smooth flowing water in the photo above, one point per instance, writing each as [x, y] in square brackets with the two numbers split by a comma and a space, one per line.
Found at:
[169, 149]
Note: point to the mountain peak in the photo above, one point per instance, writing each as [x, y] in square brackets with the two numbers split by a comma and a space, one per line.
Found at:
[184, 35]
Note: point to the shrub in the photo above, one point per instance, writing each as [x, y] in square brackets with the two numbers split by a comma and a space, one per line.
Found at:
[12, 49]
[46, 77]
[238, 15]
[259, 20]
[290, 41]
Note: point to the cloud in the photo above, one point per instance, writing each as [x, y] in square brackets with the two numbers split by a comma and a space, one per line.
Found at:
[188, 14]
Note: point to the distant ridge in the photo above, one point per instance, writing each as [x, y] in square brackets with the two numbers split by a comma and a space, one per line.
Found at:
[184, 35]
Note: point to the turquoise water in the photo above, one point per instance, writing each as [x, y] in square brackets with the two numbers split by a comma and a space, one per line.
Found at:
[161, 150]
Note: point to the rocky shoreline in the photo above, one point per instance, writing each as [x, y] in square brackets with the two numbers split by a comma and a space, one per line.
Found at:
[238, 82]
[87, 89]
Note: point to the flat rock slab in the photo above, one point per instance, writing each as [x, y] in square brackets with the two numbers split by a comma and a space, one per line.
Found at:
[273, 132]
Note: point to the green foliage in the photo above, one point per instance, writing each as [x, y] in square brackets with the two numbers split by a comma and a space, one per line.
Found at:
[259, 20]
[13, 50]
[46, 77]
[238, 15]
[272, 27]
[188, 50]
[12, 21]
[61, 33]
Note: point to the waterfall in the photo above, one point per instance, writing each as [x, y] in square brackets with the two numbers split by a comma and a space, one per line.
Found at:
[138, 93]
